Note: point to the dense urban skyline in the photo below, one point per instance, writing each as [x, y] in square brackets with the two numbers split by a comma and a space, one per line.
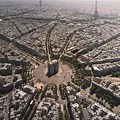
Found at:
[59, 60]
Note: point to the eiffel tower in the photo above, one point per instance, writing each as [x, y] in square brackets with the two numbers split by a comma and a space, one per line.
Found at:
[96, 15]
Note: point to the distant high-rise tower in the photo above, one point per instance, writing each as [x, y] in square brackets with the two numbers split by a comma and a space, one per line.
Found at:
[40, 2]
[96, 15]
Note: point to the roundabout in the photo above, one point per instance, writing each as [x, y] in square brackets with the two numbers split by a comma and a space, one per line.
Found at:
[63, 75]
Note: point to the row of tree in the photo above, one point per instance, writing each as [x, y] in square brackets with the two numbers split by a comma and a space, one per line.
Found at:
[101, 93]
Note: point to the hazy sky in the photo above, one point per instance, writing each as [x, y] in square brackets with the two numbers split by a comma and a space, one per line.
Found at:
[104, 6]
[62, 0]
